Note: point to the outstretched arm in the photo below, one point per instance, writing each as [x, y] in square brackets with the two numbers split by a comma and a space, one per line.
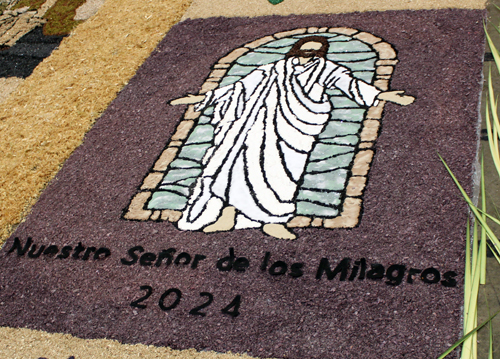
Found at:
[397, 97]
[188, 100]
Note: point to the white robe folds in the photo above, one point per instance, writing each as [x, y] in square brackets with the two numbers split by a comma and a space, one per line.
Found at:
[265, 127]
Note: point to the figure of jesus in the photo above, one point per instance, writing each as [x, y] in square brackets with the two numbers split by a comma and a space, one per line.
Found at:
[266, 125]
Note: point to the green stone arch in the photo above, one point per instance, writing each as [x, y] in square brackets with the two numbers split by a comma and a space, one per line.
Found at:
[324, 188]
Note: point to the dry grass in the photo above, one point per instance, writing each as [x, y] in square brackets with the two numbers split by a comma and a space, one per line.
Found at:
[33, 4]
[60, 17]
[45, 119]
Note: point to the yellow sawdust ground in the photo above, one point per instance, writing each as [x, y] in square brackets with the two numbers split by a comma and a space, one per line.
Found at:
[27, 343]
[208, 8]
[45, 119]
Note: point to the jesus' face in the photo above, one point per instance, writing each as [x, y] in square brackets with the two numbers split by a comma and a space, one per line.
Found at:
[308, 50]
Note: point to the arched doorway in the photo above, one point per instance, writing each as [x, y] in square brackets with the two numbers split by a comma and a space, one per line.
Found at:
[331, 189]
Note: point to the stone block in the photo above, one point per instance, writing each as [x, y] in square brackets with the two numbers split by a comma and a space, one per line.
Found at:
[191, 114]
[356, 186]
[136, 209]
[218, 73]
[349, 217]
[280, 35]
[207, 86]
[385, 51]
[362, 163]
[170, 215]
[155, 216]
[183, 130]
[152, 180]
[175, 144]
[384, 70]
[386, 62]
[299, 221]
[312, 30]
[233, 55]
[166, 157]
[370, 130]
[317, 222]
[368, 38]
[381, 84]
[221, 66]
[375, 112]
[343, 30]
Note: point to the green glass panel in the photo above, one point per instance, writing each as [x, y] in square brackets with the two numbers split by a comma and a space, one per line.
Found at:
[187, 182]
[184, 191]
[204, 119]
[179, 163]
[281, 42]
[322, 151]
[238, 70]
[339, 38]
[350, 114]
[228, 80]
[334, 92]
[328, 198]
[366, 65]
[259, 58]
[275, 50]
[342, 102]
[330, 181]
[175, 175]
[331, 163]
[194, 152]
[313, 209]
[349, 56]
[167, 200]
[337, 128]
[365, 76]
[349, 46]
[201, 134]
[343, 140]
[208, 111]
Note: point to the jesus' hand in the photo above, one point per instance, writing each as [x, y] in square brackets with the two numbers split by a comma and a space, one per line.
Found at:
[188, 100]
[397, 97]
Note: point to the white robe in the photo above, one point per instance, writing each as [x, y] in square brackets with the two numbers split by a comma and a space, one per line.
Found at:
[266, 126]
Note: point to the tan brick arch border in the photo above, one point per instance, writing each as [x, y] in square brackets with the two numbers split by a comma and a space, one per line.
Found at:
[351, 208]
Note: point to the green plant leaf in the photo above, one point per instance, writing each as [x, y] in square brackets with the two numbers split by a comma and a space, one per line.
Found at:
[483, 231]
[473, 208]
[492, 128]
[275, 2]
[465, 337]
[494, 253]
[468, 266]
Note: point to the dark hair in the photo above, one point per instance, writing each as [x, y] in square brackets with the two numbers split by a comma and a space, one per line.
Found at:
[295, 50]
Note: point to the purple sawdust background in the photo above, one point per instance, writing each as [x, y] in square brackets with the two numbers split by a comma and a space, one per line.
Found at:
[413, 214]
